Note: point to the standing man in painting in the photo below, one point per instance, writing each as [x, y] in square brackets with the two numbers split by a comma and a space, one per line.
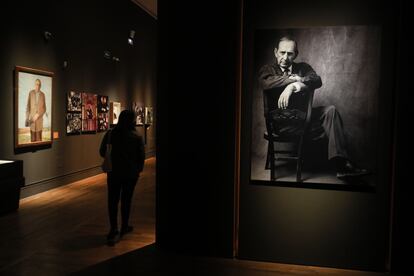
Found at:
[36, 108]
[290, 78]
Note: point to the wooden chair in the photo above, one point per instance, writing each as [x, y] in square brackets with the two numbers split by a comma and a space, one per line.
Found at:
[299, 101]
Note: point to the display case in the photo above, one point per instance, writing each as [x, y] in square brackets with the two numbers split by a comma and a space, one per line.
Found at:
[11, 180]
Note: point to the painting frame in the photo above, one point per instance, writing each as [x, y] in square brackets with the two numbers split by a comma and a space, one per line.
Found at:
[29, 132]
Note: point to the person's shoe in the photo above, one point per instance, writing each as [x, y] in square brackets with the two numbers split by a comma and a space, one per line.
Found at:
[126, 230]
[348, 170]
[112, 238]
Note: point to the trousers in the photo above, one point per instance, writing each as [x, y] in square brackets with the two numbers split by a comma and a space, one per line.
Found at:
[119, 189]
[326, 123]
[35, 136]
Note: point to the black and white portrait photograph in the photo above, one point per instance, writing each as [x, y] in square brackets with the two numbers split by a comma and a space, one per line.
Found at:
[74, 101]
[315, 104]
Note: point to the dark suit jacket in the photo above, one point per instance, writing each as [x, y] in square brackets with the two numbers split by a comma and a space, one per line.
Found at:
[272, 80]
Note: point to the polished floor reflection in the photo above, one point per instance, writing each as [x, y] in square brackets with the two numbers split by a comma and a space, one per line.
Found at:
[63, 230]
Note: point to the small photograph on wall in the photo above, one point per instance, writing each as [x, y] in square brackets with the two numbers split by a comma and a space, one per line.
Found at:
[103, 122]
[139, 113]
[33, 107]
[103, 104]
[315, 105]
[148, 116]
[89, 118]
[114, 111]
[73, 123]
[74, 101]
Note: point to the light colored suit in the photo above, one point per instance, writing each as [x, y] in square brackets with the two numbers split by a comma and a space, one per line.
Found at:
[35, 106]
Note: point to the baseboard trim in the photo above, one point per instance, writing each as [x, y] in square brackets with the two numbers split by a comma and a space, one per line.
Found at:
[58, 181]
[54, 182]
[150, 154]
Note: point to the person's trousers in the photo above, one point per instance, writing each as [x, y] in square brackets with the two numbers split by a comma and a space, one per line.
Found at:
[120, 188]
[35, 136]
[326, 123]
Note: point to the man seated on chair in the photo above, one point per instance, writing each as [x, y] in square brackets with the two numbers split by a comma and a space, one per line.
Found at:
[293, 79]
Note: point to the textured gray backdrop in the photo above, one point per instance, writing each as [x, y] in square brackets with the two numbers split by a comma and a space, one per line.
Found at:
[348, 60]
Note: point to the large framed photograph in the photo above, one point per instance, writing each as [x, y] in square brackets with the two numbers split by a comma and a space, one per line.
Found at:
[33, 107]
[315, 104]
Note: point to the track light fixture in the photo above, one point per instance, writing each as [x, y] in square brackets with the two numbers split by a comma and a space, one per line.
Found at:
[47, 35]
[131, 37]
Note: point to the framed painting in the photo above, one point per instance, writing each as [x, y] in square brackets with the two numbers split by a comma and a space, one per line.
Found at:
[89, 114]
[114, 111]
[314, 105]
[33, 107]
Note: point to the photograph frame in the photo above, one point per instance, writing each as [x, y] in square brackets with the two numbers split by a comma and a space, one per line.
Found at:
[89, 113]
[149, 115]
[249, 82]
[73, 123]
[26, 129]
[115, 109]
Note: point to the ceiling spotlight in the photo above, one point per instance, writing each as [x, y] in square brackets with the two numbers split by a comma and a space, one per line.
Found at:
[47, 35]
[107, 54]
[131, 37]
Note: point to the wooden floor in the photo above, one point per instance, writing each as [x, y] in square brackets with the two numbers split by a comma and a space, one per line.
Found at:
[62, 231]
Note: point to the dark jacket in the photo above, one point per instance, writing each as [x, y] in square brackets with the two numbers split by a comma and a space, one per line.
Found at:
[128, 153]
[271, 76]
[273, 83]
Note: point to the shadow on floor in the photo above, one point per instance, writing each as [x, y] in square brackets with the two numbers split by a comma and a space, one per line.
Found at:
[152, 261]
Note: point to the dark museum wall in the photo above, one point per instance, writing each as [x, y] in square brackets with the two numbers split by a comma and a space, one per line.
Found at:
[198, 65]
[82, 31]
[348, 229]
[196, 125]
[402, 214]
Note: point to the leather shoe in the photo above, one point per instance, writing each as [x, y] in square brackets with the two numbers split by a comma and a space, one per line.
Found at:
[348, 170]
[112, 238]
[126, 230]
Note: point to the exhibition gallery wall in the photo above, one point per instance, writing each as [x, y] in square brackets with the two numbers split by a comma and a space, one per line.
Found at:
[227, 203]
[90, 60]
